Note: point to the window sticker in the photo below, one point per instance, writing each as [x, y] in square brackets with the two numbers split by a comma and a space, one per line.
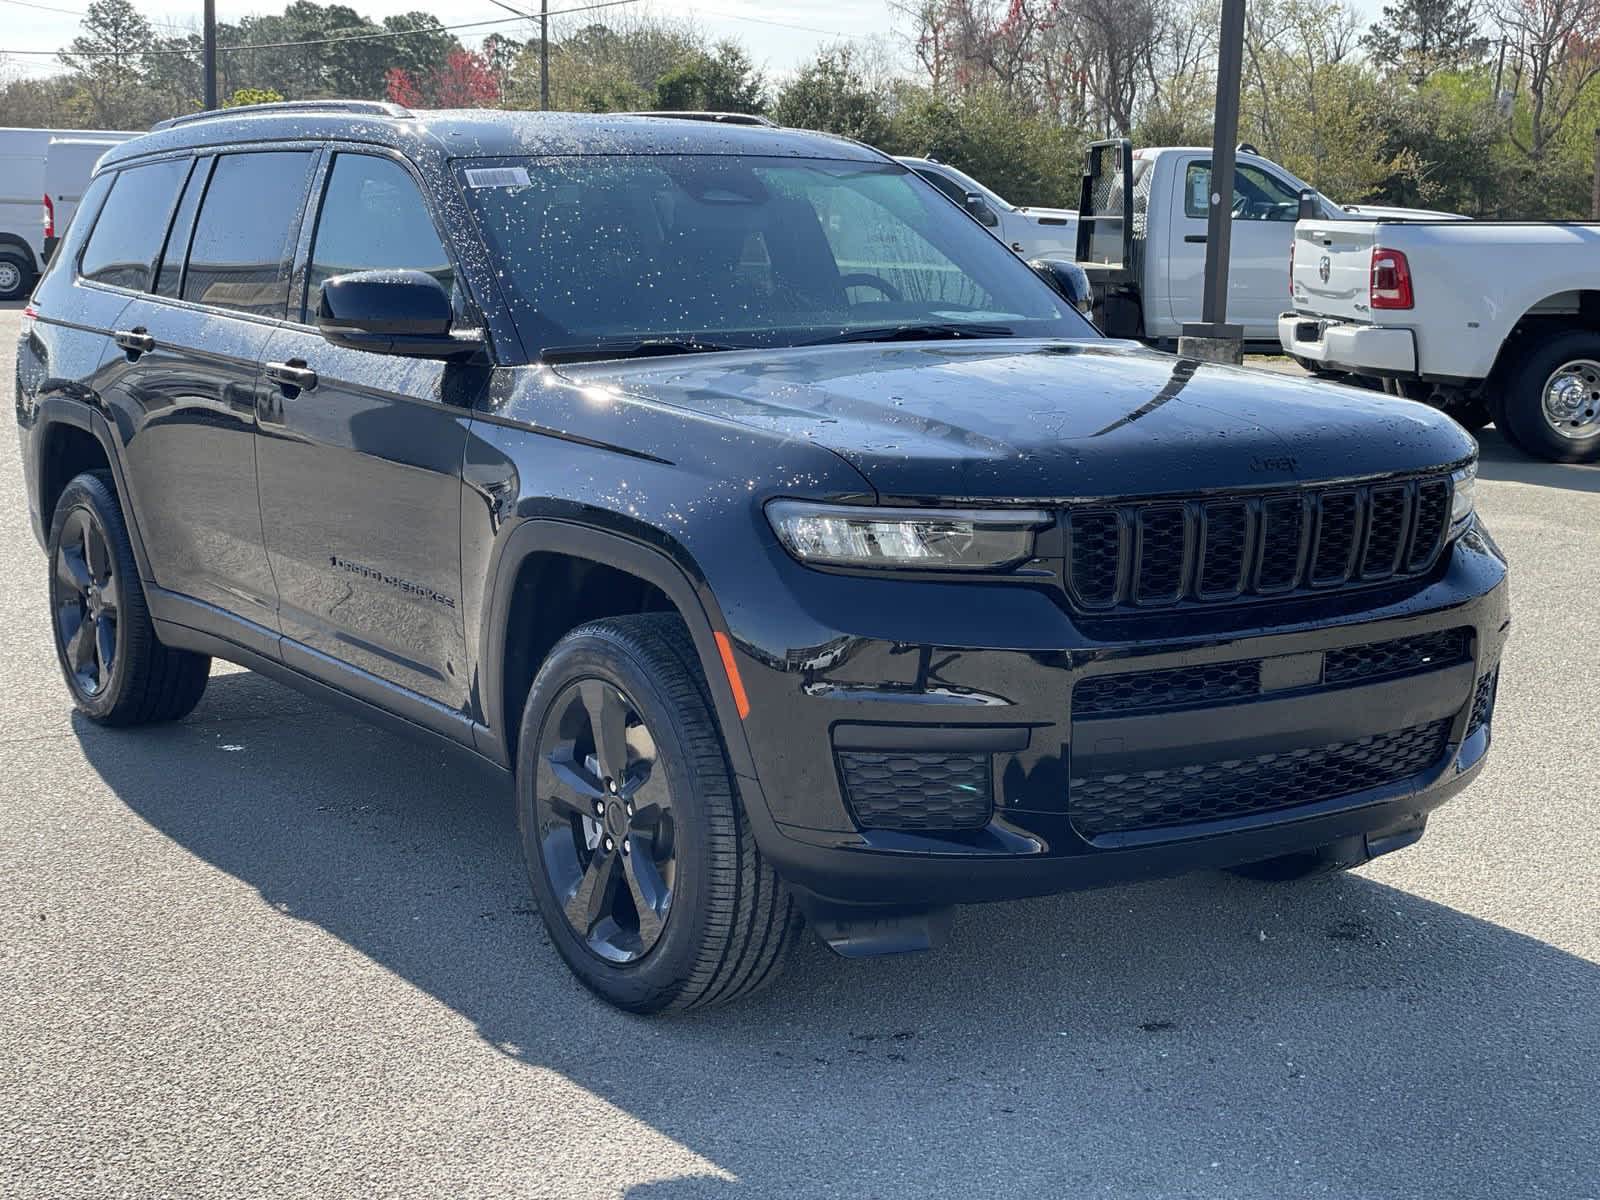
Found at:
[497, 177]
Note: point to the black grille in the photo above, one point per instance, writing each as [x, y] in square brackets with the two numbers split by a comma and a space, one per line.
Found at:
[1160, 554]
[1211, 791]
[1225, 682]
[1402, 656]
[897, 789]
[1179, 687]
[1483, 701]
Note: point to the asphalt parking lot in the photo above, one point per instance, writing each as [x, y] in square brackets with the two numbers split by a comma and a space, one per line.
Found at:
[269, 951]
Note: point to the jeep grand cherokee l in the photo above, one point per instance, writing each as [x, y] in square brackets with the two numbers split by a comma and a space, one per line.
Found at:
[798, 550]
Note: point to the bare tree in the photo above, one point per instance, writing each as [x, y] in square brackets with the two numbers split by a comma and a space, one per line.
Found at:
[1553, 47]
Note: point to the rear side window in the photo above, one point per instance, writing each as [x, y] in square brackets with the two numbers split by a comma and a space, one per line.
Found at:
[122, 249]
[170, 274]
[373, 218]
[244, 237]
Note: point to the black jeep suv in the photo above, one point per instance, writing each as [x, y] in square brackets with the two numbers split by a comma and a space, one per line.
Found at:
[798, 549]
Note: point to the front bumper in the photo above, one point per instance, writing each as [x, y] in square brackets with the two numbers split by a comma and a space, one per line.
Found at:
[1004, 689]
[1345, 346]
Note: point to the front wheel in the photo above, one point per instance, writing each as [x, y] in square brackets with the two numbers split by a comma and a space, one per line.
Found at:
[1552, 401]
[641, 860]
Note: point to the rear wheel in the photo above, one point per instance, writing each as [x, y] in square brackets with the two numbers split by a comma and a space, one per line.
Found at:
[641, 860]
[1552, 400]
[118, 671]
[16, 274]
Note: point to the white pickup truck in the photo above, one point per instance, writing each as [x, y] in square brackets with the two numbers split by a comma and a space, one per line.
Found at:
[1488, 320]
[1029, 231]
[1148, 274]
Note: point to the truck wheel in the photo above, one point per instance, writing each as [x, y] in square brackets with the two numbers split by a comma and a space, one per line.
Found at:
[641, 860]
[1552, 402]
[16, 274]
[117, 670]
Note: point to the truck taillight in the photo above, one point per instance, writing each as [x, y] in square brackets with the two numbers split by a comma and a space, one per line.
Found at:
[30, 316]
[49, 217]
[1291, 270]
[1391, 279]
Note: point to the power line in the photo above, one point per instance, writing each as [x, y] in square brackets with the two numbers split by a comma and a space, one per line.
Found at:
[71, 12]
[354, 37]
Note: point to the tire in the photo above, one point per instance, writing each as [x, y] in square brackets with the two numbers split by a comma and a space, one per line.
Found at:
[671, 829]
[1554, 372]
[16, 274]
[117, 670]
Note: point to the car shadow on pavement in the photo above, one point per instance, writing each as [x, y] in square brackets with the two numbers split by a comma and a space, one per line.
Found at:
[1195, 1036]
[1499, 459]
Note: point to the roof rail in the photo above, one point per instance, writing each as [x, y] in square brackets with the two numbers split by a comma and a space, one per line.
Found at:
[372, 108]
[721, 118]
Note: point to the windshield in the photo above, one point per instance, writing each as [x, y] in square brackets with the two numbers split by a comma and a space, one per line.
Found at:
[744, 251]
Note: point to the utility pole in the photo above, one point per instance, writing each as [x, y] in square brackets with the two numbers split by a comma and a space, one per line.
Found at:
[544, 55]
[210, 53]
[1213, 339]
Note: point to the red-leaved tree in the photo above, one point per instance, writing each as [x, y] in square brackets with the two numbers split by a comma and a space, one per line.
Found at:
[466, 79]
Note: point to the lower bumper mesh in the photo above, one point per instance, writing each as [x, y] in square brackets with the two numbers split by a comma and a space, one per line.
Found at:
[918, 790]
[1210, 791]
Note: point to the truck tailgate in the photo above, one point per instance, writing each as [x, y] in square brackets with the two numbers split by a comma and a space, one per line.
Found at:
[1332, 268]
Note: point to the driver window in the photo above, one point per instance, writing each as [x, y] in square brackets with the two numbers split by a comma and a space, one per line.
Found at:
[1257, 195]
[373, 218]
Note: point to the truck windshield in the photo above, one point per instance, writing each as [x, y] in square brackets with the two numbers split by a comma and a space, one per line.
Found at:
[739, 251]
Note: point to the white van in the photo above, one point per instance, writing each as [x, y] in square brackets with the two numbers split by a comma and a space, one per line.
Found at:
[26, 200]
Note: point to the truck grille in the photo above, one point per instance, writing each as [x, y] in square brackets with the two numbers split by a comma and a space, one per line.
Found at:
[1160, 554]
[1209, 791]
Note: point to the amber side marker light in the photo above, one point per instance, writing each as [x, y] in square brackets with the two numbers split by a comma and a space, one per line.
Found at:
[725, 648]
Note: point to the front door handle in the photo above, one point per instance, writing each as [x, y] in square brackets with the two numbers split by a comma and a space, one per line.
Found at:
[292, 374]
[1198, 238]
[135, 341]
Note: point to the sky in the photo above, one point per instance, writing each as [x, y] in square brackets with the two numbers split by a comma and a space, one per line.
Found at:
[778, 37]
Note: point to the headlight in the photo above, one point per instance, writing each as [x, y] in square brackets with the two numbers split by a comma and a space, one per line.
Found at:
[931, 539]
[1463, 493]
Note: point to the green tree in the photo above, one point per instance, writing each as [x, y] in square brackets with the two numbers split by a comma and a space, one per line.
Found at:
[1024, 156]
[243, 97]
[722, 81]
[831, 93]
[105, 59]
[1421, 37]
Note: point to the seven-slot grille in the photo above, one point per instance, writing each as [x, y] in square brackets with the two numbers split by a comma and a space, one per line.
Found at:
[1162, 553]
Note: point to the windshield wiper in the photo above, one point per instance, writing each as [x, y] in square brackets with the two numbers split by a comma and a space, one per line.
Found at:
[631, 348]
[915, 333]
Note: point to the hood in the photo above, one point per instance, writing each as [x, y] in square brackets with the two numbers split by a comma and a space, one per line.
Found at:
[1050, 216]
[1043, 420]
[1384, 212]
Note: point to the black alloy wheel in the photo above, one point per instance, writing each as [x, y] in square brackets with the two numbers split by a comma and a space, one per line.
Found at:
[606, 821]
[118, 671]
[86, 596]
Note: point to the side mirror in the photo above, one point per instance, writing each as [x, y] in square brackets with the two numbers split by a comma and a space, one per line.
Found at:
[1070, 281]
[1310, 205]
[979, 208]
[392, 312]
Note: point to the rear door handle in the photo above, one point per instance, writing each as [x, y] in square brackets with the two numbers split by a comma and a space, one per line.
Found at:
[1198, 238]
[135, 341]
[292, 374]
